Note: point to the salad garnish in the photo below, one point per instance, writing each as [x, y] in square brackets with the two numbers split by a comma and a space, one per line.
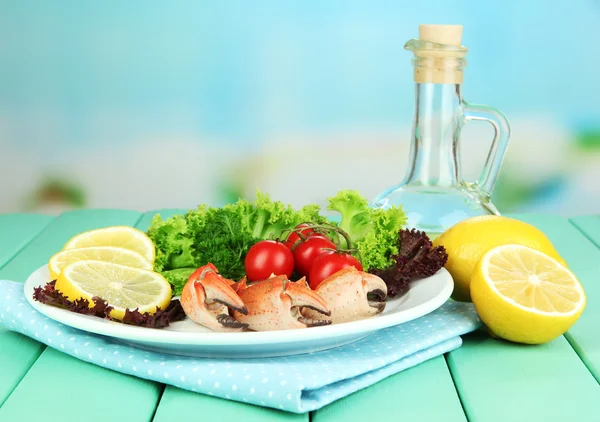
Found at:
[223, 236]
[264, 265]
[161, 318]
[416, 258]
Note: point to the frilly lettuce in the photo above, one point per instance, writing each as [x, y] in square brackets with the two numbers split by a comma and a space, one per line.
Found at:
[221, 236]
[373, 231]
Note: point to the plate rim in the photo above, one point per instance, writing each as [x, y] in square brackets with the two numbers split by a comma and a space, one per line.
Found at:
[133, 333]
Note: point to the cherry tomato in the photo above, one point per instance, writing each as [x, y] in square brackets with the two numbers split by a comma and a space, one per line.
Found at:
[306, 252]
[294, 237]
[268, 257]
[329, 263]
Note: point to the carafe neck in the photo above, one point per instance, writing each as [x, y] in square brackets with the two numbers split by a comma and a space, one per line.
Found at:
[436, 125]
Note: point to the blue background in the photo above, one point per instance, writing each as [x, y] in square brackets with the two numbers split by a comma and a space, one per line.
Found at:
[228, 83]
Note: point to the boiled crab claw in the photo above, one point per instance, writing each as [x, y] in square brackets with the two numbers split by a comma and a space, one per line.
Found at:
[348, 293]
[207, 297]
[276, 304]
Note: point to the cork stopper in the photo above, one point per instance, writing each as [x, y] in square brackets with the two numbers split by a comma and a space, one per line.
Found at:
[439, 55]
[441, 34]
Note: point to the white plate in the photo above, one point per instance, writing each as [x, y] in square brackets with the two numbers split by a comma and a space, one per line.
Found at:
[190, 339]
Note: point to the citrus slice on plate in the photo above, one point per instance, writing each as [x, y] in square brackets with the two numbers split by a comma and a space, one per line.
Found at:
[121, 286]
[99, 253]
[120, 236]
[524, 295]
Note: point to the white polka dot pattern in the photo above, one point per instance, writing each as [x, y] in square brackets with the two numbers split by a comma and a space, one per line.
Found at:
[296, 383]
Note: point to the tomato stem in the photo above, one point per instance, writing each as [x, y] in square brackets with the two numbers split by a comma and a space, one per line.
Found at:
[332, 227]
[322, 229]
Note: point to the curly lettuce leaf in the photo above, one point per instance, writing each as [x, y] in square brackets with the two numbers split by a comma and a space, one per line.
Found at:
[416, 259]
[224, 242]
[202, 235]
[48, 295]
[221, 236]
[271, 219]
[373, 231]
[354, 211]
[178, 277]
[172, 241]
[380, 244]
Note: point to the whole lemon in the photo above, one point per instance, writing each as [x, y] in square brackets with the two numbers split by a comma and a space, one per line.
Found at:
[468, 240]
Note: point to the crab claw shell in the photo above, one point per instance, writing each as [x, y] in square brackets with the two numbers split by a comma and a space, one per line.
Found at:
[346, 293]
[275, 304]
[206, 299]
[303, 282]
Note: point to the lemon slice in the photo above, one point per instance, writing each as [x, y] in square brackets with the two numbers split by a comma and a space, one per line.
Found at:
[122, 287]
[120, 236]
[99, 253]
[524, 295]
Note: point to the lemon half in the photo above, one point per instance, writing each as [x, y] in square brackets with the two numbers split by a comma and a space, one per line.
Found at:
[524, 295]
[468, 240]
[120, 236]
[121, 286]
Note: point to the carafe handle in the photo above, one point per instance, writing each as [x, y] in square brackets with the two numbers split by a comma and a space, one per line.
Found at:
[499, 143]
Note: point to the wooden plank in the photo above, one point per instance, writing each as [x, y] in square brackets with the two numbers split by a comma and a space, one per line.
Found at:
[57, 233]
[500, 381]
[179, 404]
[61, 388]
[422, 393]
[67, 386]
[16, 231]
[589, 225]
[586, 264]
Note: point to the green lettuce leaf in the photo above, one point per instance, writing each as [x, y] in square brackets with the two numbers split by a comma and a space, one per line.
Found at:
[373, 231]
[221, 236]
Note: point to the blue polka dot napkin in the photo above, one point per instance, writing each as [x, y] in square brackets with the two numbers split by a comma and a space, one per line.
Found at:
[295, 384]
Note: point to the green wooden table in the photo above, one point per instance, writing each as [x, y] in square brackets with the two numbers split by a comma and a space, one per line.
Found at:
[484, 380]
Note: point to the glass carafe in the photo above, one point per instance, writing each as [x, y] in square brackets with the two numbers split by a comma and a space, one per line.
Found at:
[432, 193]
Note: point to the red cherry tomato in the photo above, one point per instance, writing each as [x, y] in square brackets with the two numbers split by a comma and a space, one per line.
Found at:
[268, 257]
[294, 237]
[306, 252]
[329, 263]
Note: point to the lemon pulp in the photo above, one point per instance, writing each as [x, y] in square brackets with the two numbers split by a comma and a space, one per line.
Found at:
[121, 286]
[467, 241]
[120, 236]
[113, 254]
[525, 295]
